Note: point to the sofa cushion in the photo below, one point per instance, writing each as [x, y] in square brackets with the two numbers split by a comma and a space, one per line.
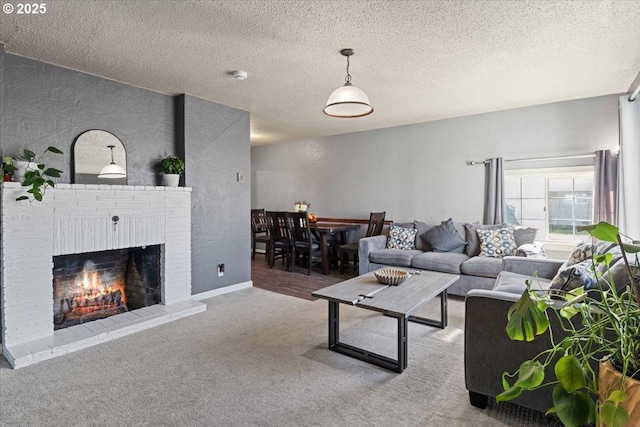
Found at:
[401, 238]
[397, 257]
[497, 243]
[482, 266]
[515, 283]
[445, 238]
[577, 270]
[445, 262]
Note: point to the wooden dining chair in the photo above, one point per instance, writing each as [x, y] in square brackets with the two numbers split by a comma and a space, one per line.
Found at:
[259, 232]
[376, 223]
[279, 244]
[301, 238]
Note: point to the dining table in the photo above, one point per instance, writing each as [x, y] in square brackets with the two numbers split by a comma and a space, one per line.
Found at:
[322, 230]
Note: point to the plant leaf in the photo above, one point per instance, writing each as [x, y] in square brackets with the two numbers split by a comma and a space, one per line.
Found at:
[573, 409]
[570, 374]
[22, 198]
[28, 154]
[601, 231]
[526, 319]
[617, 396]
[530, 375]
[631, 248]
[613, 415]
[55, 173]
[54, 150]
[37, 196]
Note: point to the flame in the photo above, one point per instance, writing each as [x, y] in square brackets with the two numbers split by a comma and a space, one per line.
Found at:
[91, 294]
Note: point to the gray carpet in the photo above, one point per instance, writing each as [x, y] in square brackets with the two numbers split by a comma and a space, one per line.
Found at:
[255, 358]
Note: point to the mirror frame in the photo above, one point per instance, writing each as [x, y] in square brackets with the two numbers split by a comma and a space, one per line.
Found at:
[78, 178]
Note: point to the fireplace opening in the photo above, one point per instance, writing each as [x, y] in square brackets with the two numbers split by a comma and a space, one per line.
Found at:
[95, 285]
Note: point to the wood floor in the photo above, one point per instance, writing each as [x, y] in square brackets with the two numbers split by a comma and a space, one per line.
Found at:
[294, 283]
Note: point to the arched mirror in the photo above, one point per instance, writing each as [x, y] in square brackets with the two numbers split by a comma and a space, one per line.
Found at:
[99, 157]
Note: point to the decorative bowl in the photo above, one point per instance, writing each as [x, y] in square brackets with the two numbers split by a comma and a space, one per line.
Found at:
[391, 276]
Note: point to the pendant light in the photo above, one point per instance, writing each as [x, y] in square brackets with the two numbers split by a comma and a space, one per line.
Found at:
[112, 171]
[348, 101]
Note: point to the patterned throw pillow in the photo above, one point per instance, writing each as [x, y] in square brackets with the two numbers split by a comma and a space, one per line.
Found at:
[401, 238]
[497, 243]
[531, 251]
[575, 276]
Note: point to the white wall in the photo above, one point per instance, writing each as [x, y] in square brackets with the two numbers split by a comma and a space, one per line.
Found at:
[419, 171]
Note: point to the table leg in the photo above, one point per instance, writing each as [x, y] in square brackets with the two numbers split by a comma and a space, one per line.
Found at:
[324, 249]
[403, 349]
[442, 323]
[334, 323]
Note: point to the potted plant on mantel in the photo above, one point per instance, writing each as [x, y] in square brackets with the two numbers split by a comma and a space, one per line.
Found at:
[173, 168]
[596, 323]
[31, 172]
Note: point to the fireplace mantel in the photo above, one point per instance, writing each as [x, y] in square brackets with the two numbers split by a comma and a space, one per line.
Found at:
[77, 218]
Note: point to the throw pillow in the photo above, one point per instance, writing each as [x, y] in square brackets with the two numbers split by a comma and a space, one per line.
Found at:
[473, 241]
[421, 228]
[524, 235]
[575, 276]
[401, 238]
[531, 251]
[497, 243]
[445, 238]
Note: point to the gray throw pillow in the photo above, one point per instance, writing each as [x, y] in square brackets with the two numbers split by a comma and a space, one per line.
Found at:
[445, 238]
[421, 227]
[524, 235]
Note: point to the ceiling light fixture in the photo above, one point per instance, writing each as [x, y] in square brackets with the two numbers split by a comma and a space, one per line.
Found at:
[348, 101]
[112, 171]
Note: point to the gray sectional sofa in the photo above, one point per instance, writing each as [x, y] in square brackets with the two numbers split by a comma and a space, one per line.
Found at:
[476, 272]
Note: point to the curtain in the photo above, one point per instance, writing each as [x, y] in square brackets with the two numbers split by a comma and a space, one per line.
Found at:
[605, 197]
[494, 192]
[629, 173]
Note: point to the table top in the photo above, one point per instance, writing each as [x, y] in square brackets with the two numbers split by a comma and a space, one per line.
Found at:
[397, 301]
[333, 227]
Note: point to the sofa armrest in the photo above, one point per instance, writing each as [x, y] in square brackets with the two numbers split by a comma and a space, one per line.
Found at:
[488, 350]
[545, 268]
[367, 245]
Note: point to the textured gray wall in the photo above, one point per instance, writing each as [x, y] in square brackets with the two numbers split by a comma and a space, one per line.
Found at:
[419, 171]
[43, 104]
[216, 145]
[49, 105]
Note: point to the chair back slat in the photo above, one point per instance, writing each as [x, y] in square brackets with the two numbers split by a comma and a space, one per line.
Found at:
[258, 221]
[376, 222]
[299, 226]
[278, 225]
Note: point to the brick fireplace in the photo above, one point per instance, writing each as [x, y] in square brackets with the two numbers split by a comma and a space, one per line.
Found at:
[84, 219]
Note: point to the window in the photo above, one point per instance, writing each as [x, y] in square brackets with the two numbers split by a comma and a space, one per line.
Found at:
[552, 200]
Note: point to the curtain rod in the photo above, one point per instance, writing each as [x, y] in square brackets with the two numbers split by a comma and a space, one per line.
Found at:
[536, 159]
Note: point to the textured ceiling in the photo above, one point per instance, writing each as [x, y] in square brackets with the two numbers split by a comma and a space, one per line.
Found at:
[417, 60]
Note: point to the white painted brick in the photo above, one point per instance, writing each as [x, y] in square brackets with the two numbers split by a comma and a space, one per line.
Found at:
[76, 218]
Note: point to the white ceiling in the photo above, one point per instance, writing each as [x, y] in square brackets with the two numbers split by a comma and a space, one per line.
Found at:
[417, 60]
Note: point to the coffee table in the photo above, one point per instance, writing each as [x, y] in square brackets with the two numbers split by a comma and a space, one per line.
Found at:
[394, 301]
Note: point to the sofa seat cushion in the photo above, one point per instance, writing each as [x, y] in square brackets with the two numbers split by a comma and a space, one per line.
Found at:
[482, 266]
[399, 257]
[515, 283]
[444, 262]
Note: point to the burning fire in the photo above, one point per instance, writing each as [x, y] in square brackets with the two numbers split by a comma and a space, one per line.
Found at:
[90, 294]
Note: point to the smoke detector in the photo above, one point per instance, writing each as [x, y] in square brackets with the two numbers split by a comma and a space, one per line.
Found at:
[240, 75]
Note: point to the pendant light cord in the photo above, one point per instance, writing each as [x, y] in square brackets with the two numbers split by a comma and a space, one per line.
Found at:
[348, 77]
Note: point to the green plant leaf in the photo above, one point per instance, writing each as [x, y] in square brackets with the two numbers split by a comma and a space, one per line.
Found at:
[51, 183]
[617, 396]
[54, 150]
[22, 198]
[601, 231]
[573, 409]
[509, 394]
[603, 258]
[53, 172]
[613, 415]
[526, 319]
[28, 155]
[530, 375]
[37, 196]
[570, 374]
[631, 248]
[41, 166]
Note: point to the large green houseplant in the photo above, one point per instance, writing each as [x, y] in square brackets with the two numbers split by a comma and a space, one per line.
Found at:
[37, 177]
[596, 323]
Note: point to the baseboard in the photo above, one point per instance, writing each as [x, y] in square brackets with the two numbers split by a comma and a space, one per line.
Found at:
[222, 291]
